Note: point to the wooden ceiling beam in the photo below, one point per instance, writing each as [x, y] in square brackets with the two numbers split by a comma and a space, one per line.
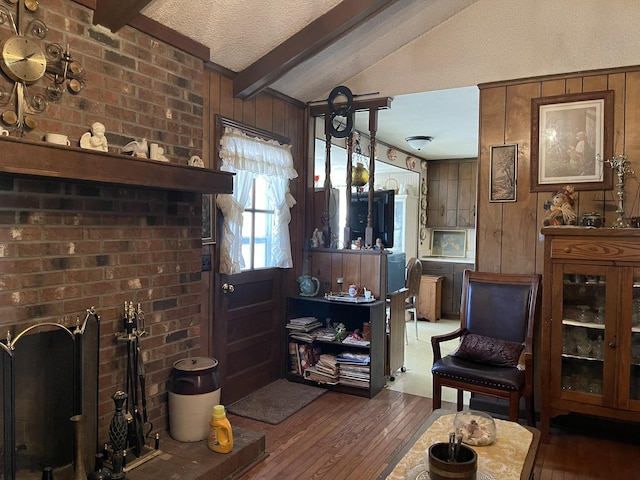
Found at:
[115, 14]
[315, 37]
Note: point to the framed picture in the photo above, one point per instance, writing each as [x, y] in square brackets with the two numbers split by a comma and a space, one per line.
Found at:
[448, 243]
[571, 136]
[503, 175]
[208, 218]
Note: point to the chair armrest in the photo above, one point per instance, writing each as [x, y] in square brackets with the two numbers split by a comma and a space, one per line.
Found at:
[401, 293]
[436, 339]
[528, 368]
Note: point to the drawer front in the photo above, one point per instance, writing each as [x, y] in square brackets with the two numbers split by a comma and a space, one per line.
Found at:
[436, 268]
[594, 249]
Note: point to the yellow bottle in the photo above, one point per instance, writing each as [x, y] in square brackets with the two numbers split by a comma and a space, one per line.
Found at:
[220, 435]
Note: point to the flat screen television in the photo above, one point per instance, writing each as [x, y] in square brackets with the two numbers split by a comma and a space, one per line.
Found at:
[383, 215]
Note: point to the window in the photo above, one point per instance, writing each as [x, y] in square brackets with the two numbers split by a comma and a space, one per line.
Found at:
[257, 228]
[256, 216]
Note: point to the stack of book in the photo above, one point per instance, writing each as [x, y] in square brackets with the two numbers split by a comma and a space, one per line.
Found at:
[301, 357]
[303, 324]
[325, 371]
[354, 369]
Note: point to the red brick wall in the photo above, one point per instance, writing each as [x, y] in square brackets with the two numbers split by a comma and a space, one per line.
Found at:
[66, 246]
[138, 86]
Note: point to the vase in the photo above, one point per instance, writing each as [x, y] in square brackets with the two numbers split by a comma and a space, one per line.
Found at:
[79, 472]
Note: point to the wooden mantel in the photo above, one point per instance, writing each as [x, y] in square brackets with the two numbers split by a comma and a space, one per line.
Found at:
[39, 159]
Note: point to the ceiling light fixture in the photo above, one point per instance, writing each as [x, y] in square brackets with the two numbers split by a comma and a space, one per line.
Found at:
[418, 142]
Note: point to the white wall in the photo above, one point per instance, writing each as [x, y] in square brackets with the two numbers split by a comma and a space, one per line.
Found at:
[495, 40]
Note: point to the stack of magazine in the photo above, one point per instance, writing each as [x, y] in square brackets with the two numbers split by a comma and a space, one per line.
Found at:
[326, 370]
[354, 369]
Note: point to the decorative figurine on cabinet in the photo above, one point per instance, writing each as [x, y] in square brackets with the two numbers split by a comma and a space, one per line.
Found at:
[560, 209]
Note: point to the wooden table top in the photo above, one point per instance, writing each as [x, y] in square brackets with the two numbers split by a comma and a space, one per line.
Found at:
[529, 461]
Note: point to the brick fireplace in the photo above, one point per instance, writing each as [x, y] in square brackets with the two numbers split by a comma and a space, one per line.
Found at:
[69, 244]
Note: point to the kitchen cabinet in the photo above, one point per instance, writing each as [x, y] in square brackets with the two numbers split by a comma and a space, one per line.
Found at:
[353, 316]
[451, 273]
[590, 324]
[451, 198]
[405, 225]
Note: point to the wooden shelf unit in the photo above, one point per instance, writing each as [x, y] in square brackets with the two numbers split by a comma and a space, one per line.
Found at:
[353, 315]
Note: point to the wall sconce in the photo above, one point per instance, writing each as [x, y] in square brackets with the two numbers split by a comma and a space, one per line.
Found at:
[418, 142]
[63, 69]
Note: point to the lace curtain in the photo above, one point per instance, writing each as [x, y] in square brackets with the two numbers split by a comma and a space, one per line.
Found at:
[249, 157]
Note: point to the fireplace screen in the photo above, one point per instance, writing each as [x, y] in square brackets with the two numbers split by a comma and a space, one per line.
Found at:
[49, 374]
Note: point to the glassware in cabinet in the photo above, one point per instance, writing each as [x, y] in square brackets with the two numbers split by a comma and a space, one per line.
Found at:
[583, 325]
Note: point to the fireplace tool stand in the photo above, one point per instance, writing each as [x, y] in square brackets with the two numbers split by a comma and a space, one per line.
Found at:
[131, 451]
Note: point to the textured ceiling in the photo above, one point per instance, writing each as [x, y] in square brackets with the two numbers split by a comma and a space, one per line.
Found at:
[238, 32]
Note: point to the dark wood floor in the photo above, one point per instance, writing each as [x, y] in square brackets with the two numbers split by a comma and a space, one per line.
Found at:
[341, 436]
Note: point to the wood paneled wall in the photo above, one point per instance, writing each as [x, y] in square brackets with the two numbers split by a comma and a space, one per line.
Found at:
[508, 234]
[275, 114]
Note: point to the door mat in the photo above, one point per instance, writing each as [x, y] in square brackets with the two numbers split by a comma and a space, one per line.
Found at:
[276, 402]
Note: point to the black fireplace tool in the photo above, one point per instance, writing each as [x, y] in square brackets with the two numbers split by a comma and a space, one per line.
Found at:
[135, 437]
[143, 394]
[137, 440]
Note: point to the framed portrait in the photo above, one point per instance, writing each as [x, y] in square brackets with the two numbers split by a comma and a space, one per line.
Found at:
[448, 243]
[503, 175]
[571, 136]
[208, 218]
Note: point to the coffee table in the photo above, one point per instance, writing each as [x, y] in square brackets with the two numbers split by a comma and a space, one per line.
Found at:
[513, 458]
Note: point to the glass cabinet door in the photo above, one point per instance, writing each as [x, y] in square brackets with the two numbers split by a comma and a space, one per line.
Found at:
[582, 332]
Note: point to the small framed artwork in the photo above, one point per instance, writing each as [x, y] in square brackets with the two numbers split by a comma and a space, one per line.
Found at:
[208, 218]
[571, 136]
[503, 175]
[448, 243]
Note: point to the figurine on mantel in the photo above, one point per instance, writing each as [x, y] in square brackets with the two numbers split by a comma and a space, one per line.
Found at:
[196, 161]
[137, 148]
[156, 152]
[95, 139]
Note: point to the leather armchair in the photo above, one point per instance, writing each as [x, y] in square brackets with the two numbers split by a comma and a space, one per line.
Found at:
[495, 356]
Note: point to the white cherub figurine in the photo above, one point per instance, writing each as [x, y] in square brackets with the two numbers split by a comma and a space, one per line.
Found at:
[96, 139]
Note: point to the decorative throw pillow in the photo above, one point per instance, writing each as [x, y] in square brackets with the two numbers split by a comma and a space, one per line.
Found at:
[493, 351]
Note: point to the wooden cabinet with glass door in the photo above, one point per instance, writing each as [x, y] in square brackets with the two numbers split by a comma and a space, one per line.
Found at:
[591, 324]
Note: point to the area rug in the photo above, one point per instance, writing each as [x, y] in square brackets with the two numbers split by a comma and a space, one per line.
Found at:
[276, 402]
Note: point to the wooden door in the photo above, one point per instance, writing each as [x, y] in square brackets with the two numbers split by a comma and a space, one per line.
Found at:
[248, 331]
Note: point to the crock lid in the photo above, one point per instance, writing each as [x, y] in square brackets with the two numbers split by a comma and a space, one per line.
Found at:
[194, 364]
